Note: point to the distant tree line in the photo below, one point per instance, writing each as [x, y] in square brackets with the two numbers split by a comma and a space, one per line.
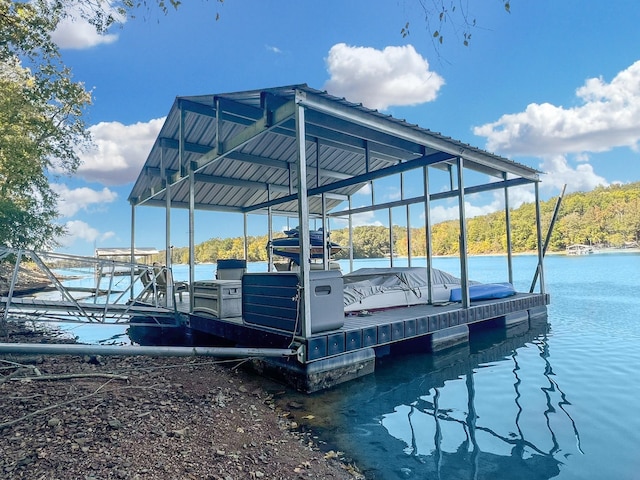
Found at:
[606, 216]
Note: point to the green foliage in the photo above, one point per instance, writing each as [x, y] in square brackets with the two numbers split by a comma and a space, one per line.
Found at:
[42, 108]
[607, 216]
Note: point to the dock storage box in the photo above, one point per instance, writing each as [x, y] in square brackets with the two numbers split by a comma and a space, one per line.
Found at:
[271, 300]
[220, 298]
[230, 269]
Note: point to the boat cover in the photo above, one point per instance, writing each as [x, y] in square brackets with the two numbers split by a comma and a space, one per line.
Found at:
[366, 282]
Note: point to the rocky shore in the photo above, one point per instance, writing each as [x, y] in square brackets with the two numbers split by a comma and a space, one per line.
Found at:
[149, 418]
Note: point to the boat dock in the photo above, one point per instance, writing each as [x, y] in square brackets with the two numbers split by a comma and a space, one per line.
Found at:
[340, 348]
[296, 154]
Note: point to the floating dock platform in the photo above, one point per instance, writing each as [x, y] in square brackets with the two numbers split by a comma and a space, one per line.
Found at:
[334, 356]
[297, 154]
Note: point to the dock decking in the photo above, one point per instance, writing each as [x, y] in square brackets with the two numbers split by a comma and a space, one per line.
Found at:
[362, 338]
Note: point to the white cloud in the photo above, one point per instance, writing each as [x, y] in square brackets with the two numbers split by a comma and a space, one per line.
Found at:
[119, 151]
[78, 230]
[441, 213]
[79, 34]
[580, 179]
[358, 220]
[365, 219]
[75, 32]
[71, 201]
[381, 78]
[608, 116]
[517, 196]
[520, 195]
[392, 194]
[273, 49]
[365, 190]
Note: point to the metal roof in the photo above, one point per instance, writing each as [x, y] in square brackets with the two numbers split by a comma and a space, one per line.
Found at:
[243, 151]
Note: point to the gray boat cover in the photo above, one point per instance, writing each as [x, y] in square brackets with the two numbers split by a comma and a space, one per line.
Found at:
[365, 282]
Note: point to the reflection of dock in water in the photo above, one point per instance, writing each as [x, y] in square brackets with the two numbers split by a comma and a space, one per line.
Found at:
[413, 427]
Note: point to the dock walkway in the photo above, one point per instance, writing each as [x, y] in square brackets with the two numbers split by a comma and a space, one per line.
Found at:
[59, 310]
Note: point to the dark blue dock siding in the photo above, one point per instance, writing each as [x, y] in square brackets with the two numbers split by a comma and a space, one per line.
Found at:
[400, 324]
[392, 326]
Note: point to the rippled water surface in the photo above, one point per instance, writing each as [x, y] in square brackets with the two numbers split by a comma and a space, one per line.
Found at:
[557, 400]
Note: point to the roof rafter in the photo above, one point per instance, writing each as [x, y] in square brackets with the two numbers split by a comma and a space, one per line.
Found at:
[266, 123]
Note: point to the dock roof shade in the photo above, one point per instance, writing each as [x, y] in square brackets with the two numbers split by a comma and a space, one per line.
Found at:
[243, 151]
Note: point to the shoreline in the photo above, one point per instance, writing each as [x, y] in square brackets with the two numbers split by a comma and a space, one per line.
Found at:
[604, 251]
[148, 418]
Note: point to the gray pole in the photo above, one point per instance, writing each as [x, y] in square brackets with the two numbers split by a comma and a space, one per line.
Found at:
[408, 214]
[167, 240]
[192, 207]
[390, 238]
[427, 231]
[539, 234]
[133, 245]
[303, 218]
[246, 232]
[464, 269]
[81, 349]
[350, 237]
[507, 217]
[269, 230]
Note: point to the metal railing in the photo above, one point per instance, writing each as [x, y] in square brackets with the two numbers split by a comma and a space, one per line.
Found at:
[54, 286]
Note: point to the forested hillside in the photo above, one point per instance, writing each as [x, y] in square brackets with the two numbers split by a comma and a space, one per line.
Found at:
[606, 216]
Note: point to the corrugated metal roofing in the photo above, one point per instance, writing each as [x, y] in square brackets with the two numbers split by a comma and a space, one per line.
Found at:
[243, 150]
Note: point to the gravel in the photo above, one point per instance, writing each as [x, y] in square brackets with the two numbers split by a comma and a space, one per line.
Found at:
[92, 417]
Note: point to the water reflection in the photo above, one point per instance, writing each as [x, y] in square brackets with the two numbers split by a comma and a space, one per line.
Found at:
[489, 409]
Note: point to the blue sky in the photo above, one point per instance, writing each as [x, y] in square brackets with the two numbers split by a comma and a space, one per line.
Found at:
[553, 85]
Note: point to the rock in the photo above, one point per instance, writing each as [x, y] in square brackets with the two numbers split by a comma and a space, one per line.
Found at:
[179, 433]
[136, 430]
[54, 422]
[115, 423]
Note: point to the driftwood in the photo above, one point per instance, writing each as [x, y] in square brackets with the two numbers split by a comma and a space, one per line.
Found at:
[67, 376]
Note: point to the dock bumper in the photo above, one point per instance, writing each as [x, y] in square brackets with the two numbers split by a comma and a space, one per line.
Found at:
[448, 337]
[318, 375]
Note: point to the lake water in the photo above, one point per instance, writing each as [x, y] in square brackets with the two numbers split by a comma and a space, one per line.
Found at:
[559, 400]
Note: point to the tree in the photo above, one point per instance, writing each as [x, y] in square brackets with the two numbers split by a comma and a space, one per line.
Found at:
[41, 123]
[442, 16]
[41, 110]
